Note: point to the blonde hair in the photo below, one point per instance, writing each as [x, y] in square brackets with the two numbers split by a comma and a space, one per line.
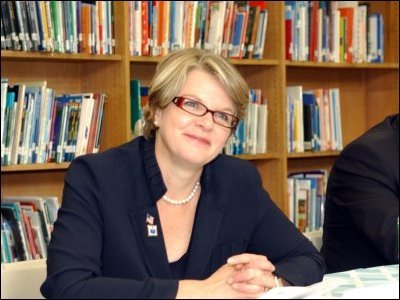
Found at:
[171, 74]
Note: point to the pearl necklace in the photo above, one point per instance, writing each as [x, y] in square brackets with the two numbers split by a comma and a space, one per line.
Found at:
[184, 200]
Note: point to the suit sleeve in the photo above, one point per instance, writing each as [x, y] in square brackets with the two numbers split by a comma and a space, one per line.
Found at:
[362, 183]
[74, 264]
[294, 256]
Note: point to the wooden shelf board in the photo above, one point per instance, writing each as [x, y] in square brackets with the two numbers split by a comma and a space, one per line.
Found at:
[313, 154]
[295, 64]
[258, 156]
[65, 57]
[34, 167]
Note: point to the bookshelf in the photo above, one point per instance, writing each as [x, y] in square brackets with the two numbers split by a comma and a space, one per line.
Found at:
[369, 92]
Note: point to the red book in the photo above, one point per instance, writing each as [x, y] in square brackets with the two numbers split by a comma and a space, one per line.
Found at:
[288, 39]
[145, 28]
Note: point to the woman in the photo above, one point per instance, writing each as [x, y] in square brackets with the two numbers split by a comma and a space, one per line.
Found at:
[160, 216]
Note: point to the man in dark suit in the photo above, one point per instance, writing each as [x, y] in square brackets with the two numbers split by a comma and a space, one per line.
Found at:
[362, 205]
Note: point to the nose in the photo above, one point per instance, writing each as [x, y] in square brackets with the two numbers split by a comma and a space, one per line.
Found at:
[206, 121]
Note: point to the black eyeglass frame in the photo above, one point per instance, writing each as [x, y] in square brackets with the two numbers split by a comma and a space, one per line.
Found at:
[179, 100]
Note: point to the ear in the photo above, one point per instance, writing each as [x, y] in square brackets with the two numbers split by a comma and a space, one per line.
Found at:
[157, 116]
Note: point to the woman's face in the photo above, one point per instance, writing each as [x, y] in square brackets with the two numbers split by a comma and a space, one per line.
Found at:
[189, 139]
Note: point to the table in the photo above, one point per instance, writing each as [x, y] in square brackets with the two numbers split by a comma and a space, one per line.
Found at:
[369, 283]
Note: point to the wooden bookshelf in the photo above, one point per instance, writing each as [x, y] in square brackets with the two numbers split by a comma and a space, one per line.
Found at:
[368, 93]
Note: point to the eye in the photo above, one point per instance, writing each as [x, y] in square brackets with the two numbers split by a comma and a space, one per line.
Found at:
[222, 116]
[191, 104]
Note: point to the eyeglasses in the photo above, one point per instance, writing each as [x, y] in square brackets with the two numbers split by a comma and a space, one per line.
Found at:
[199, 109]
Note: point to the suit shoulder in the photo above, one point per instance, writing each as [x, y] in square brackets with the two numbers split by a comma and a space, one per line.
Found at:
[379, 139]
[110, 158]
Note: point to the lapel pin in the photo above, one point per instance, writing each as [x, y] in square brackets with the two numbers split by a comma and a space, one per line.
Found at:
[152, 230]
[149, 219]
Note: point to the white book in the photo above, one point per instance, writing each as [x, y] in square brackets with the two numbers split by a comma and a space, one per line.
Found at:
[88, 119]
[362, 36]
[333, 120]
[262, 129]
[372, 37]
[252, 125]
[84, 123]
[320, 36]
[4, 85]
[338, 120]
[27, 128]
[215, 33]
[295, 94]
[42, 126]
[260, 37]
[177, 25]
[137, 28]
[336, 36]
[20, 98]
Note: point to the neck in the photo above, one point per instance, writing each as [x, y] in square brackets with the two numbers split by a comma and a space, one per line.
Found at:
[180, 178]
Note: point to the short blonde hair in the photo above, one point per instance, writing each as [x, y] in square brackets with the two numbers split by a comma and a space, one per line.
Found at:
[171, 74]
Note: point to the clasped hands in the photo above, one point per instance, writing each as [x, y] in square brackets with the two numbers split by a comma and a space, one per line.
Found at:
[243, 276]
[252, 274]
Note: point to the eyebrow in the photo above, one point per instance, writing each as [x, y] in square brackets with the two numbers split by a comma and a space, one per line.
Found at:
[225, 109]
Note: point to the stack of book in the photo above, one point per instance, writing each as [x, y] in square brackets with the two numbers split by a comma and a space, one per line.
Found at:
[333, 31]
[234, 29]
[38, 126]
[58, 26]
[250, 136]
[314, 120]
[307, 193]
[26, 227]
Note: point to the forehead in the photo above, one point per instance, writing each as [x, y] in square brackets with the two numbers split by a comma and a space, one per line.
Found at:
[206, 87]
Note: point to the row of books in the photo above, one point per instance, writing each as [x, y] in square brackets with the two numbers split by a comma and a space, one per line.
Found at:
[333, 31]
[26, 227]
[38, 126]
[307, 194]
[58, 26]
[234, 29]
[314, 120]
[250, 136]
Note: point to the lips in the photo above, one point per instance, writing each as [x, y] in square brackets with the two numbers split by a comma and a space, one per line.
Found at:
[199, 139]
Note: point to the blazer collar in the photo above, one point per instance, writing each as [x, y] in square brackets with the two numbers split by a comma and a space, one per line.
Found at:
[153, 173]
[205, 230]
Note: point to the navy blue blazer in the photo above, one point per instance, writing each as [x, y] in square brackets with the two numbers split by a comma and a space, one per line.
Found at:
[100, 246]
[362, 204]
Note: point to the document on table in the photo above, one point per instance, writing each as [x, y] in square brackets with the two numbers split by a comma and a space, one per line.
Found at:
[371, 283]
[315, 291]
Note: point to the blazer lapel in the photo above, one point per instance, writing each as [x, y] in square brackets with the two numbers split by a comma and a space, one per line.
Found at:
[206, 231]
[151, 242]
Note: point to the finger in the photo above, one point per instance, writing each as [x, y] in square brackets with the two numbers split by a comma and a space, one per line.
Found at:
[238, 266]
[254, 261]
[266, 281]
[247, 288]
[245, 275]
[261, 264]
[243, 258]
